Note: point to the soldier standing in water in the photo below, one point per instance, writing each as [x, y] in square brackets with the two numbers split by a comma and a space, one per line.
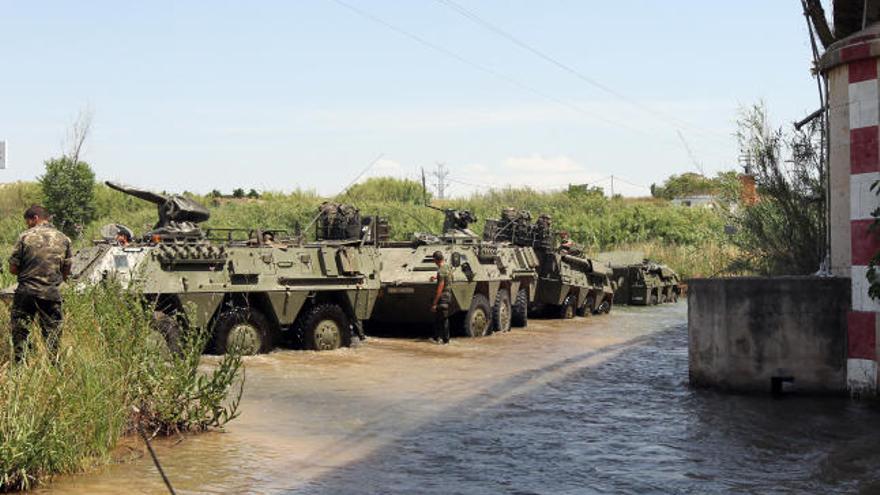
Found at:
[442, 299]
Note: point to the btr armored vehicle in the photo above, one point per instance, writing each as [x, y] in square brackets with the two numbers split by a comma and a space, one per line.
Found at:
[249, 287]
[640, 281]
[491, 284]
[569, 284]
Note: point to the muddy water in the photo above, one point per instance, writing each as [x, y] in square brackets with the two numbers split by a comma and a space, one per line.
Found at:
[597, 405]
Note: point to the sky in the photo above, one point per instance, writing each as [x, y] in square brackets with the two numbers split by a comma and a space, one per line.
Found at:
[307, 94]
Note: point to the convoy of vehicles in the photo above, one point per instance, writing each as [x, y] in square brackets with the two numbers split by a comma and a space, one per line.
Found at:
[255, 287]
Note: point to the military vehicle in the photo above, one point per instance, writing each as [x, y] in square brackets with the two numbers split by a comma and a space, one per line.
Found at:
[491, 283]
[640, 281]
[569, 283]
[250, 287]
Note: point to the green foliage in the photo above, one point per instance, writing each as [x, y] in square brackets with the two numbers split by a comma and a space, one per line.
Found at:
[238, 193]
[784, 233]
[215, 193]
[872, 274]
[253, 194]
[724, 185]
[387, 189]
[68, 193]
[110, 378]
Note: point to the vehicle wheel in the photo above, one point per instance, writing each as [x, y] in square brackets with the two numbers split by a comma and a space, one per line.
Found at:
[653, 299]
[567, 309]
[587, 308]
[520, 313]
[326, 327]
[478, 320]
[501, 313]
[674, 297]
[165, 335]
[663, 299]
[244, 330]
[604, 307]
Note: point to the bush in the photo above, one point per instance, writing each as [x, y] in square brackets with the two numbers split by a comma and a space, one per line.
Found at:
[64, 417]
[784, 233]
[68, 194]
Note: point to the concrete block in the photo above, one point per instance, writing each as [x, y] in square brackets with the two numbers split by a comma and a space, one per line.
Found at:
[744, 332]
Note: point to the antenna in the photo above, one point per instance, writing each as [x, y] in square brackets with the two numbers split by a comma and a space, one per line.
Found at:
[696, 163]
[424, 189]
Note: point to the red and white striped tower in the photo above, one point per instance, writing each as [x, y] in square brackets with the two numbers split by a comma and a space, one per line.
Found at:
[851, 66]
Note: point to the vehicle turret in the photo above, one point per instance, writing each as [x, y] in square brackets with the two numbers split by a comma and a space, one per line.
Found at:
[179, 216]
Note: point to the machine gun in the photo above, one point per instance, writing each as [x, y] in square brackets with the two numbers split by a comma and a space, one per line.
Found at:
[179, 216]
[456, 221]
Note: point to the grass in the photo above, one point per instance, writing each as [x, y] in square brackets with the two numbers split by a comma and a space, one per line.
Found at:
[110, 377]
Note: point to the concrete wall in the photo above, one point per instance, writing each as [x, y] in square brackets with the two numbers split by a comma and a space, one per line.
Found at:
[743, 332]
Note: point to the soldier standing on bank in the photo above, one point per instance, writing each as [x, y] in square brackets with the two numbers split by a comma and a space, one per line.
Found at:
[41, 260]
[442, 299]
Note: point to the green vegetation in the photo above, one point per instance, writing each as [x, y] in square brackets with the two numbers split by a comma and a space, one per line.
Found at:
[725, 185]
[113, 374]
[68, 192]
[784, 232]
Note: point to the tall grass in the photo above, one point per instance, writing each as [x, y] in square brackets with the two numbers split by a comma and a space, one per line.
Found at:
[111, 376]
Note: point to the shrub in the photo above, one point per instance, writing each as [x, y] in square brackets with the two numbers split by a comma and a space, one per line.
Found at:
[63, 417]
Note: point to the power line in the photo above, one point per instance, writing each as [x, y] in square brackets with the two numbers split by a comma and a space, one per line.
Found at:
[483, 68]
[469, 14]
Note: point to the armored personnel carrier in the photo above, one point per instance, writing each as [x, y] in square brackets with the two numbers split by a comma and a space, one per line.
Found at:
[249, 287]
[491, 283]
[646, 283]
[569, 284]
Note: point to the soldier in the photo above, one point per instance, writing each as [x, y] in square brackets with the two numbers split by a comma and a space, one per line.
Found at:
[442, 299]
[41, 260]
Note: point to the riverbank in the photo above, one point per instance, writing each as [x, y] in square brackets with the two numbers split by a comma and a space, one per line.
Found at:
[112, 376]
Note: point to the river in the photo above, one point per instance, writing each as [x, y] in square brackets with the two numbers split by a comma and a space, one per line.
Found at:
[591, 405]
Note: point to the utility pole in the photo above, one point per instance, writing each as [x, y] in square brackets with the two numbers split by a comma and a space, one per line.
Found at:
[440, 174]
[2, 155]
[612, 187]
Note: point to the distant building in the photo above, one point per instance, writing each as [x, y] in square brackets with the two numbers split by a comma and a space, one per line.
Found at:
[697, 201]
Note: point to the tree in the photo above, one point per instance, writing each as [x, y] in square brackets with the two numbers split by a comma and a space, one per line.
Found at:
[215, 193]
[783, 233]
[238, 193]
[253, 194]
[724, 184]
[68, 193]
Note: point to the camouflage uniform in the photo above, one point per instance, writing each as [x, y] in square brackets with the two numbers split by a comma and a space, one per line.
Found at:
[41, 255]
[441, 315]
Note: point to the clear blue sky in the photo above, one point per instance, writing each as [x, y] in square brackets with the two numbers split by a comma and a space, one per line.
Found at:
[304, 94]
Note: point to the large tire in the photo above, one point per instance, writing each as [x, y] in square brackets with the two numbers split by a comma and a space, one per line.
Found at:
[586, 309]
[478, 320]
[245, 330]
[326, 327]
[520, 314]
[674, 296]
[653, 299]
[567, 309]
[501, 313]
[605, 306]
[166, 330]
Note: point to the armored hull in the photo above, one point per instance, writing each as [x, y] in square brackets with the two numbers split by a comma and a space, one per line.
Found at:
[485, 284]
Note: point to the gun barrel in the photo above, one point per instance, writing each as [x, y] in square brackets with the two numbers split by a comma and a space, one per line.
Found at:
[150, 196]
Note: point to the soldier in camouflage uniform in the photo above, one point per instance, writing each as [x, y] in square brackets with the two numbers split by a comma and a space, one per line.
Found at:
[41, 260]
[442, 299]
